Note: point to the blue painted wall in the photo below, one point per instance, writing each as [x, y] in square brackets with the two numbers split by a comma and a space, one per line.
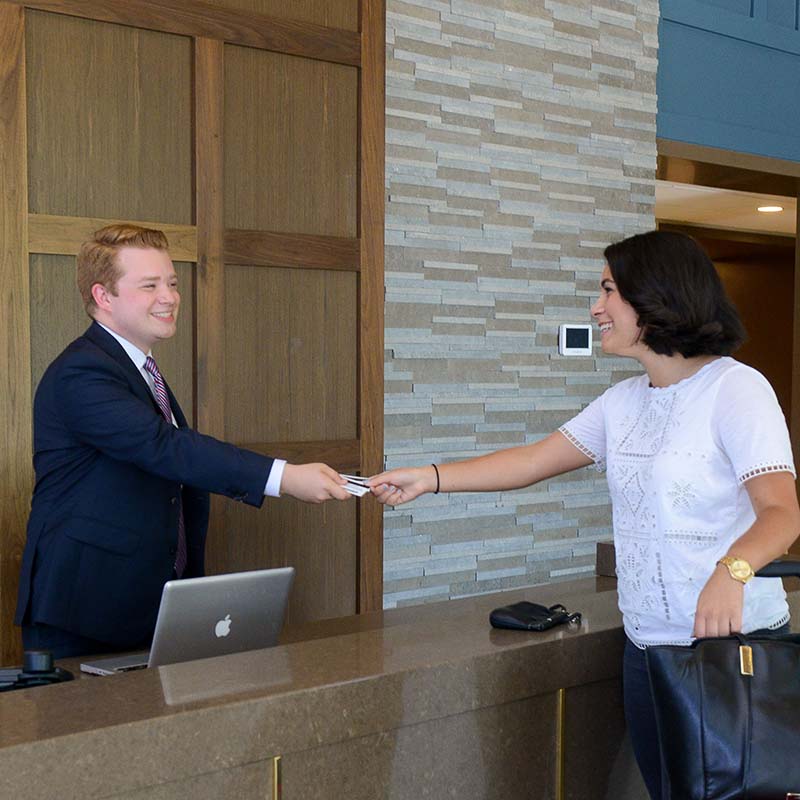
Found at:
[729, 75]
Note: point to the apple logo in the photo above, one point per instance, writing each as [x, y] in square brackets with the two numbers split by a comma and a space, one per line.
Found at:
[223, 627]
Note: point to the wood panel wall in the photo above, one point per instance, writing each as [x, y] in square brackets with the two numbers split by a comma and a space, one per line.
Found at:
[760, 280]
[252, 134]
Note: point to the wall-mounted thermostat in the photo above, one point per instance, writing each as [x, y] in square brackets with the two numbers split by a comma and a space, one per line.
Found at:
[575, 340]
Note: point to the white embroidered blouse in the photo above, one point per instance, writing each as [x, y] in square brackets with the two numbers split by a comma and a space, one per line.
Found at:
[677, 459]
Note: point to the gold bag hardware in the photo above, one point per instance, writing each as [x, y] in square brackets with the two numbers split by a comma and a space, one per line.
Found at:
[745, 659]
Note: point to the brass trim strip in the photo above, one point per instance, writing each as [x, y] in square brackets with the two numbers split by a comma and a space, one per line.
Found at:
[561, 707]
[277, 778]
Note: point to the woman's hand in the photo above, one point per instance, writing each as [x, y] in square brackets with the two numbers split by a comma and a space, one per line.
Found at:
[719, 606]
[398, 486]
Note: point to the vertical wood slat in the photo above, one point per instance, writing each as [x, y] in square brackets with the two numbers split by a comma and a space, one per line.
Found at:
[794, 421]
[209, 82]
[371, 295]
[208, 124]
[15, 373]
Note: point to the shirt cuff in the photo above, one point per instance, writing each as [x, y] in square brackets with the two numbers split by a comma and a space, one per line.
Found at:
[273, 487]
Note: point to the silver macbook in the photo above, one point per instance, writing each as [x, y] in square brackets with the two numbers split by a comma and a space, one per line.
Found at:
[213, 616]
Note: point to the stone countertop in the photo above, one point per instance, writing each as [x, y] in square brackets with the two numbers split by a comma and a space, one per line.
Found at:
[329, 682]
[311, 656]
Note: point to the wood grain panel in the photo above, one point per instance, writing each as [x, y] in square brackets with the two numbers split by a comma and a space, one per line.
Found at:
[209, 21]
[290, 364]
[15, 382]
[267, 249]
[753, 286]
[109, 136]
[57, 317]
[65, 235]
[370, 326]
[210, 365]
[317, 540]
[344, 456]
[330, 13]
[210, 267]
[291, 144]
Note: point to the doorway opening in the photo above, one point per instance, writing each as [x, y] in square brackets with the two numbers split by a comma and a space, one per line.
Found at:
[713, 195]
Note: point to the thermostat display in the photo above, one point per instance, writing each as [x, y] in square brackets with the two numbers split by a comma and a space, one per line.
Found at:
[575, 340]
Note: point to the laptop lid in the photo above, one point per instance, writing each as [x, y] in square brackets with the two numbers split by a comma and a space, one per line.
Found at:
[220, 614]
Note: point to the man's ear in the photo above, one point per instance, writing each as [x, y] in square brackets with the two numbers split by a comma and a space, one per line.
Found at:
[101, 296]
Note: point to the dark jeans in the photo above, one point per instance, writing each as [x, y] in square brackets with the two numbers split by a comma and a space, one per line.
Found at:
[63, 644]
[640, 713]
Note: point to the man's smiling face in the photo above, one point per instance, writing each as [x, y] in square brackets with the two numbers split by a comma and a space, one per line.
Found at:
[144, 309]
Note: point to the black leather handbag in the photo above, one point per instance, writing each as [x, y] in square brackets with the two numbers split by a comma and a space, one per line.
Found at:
[728, 714]
[525, 616]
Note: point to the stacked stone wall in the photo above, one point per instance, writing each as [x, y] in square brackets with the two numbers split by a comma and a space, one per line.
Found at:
[520, 141]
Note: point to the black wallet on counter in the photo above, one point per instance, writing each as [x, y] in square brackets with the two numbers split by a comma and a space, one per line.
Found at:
[525, 616]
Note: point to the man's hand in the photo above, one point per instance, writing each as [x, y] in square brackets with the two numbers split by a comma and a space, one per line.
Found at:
[313, 483]
[719, 607]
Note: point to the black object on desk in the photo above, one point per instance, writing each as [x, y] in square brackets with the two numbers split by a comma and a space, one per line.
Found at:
[37, 670]
[525, 616]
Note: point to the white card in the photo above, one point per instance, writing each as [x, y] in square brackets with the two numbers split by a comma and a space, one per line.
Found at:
[360, 480]
[355, 489]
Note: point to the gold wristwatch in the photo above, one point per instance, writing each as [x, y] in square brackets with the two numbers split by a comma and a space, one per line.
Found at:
[739, 569]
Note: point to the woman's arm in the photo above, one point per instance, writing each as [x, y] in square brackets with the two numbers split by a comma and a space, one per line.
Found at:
[777, 525]
[502, 470]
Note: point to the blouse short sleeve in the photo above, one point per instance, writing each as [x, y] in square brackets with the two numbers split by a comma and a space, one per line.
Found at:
[751, 427]
[587, 431]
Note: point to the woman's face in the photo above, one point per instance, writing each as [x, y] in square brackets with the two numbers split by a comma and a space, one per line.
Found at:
[619, 331]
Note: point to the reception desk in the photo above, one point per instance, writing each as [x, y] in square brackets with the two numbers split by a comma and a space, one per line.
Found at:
[422, 702]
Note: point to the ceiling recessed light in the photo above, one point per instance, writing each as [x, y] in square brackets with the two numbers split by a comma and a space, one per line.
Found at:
[770, 209]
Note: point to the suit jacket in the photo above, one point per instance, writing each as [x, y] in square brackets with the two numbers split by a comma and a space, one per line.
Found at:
[103, 528]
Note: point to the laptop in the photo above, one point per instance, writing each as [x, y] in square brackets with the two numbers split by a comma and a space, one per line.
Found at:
[212, 616]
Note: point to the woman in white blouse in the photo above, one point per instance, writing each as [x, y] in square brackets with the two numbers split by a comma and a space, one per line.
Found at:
[698, 460]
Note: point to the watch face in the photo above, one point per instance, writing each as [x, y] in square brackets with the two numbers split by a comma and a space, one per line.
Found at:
[740, 568]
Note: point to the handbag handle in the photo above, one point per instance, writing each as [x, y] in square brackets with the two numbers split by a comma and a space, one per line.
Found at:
[780, 569]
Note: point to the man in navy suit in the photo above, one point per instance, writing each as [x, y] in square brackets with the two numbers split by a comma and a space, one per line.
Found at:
[121, 502]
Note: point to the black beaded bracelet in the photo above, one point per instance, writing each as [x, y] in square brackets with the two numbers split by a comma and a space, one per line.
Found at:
[436, 470]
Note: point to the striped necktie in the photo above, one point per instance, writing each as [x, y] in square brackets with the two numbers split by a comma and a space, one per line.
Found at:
[162, 398]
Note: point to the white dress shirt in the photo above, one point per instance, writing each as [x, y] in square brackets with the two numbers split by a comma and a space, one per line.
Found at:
[273, 486]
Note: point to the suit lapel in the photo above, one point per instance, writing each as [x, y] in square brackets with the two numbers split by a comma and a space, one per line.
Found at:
[113, 348]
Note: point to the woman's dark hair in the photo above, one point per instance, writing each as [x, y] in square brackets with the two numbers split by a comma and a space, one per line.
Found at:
[677, 294]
